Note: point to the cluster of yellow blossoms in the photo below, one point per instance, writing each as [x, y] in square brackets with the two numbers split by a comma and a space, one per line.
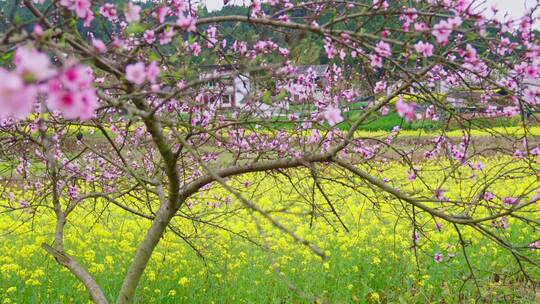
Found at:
[374, 253]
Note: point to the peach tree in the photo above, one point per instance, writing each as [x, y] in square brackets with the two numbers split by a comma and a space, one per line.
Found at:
[129, 103]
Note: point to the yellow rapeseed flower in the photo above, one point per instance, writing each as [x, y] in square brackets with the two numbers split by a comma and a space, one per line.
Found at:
[183, 281]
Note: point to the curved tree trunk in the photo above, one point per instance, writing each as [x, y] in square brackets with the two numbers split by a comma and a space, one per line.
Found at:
[144, 252]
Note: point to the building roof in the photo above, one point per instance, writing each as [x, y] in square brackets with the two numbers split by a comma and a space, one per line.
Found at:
[220, 67]
[319, 70]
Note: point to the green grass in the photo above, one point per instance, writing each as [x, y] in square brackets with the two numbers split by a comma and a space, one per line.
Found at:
[388, 122]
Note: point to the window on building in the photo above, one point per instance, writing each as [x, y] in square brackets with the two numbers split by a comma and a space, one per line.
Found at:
[226, 99]
[212, 84]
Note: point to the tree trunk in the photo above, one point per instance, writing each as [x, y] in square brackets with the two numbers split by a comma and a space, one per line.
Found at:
[144, 252]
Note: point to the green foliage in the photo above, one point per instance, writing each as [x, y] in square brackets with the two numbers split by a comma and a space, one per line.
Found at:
[267, 97]
[418, 98]
[135, 28]
[6, 58]
[307, 51]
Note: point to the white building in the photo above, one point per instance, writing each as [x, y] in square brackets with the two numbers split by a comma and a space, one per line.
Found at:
[226, 86]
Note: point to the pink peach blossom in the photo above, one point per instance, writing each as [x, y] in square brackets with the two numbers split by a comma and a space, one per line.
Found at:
[132, 12]
[161, 13]
[187, 23]
[375, 61]
[149, 36]
[405, 110]
[108, 10]
[424, 48]
[76, 77]
[333, 115]
[136, 73]
[74, 104]
[32, 63]
[99, 46]
[383, 49]
[81, 7]
[152, 71]
[16, 98]
[442, 31]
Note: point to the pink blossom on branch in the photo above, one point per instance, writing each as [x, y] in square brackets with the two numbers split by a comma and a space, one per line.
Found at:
[404, 109]
[99, 46]
[470, 54]
[74, 104]
[442, 32]
[455, 22]
[38, 30]
[424, 48]
[488, 196]
[135, 73]
[383, 49]
[108, 10]
[329, 48]
[420, 27]
[375, 61]
[256, 7]
[132, 12]
[72, 93]
[77, 77]
[531, 71]
[32, 64]
[193, 48]
[509, 201]
[412, 175]
[149, 36]
[152, 72]
[444, 28]
[16, 98]
[161, 13]
[212, 34]
[511, 111]
[187, 23]
[333, 115]
[166, 36]
[380, 86]
[81, 7]
[530, 96]
[68, 91]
